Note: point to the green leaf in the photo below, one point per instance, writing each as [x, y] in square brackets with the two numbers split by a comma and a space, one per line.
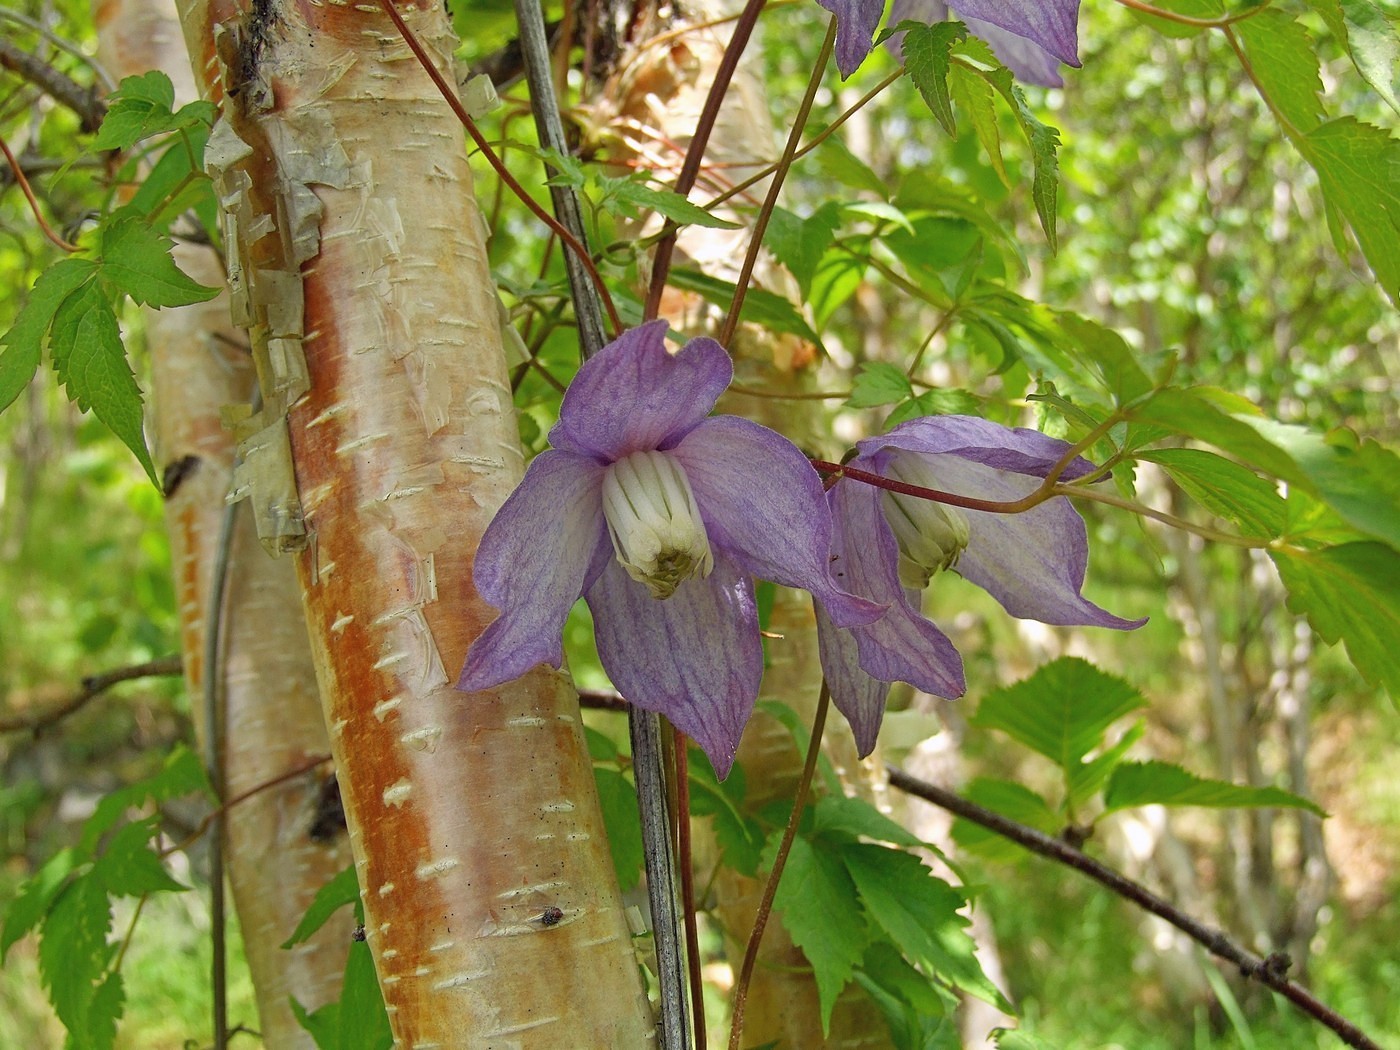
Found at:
[1225, 488]
[323, 1024]
[933, 403]
[1358, 166]
[623, 823]
[799, 244]
[128, 867]
[141, 107]
[343, 889]
[181, 774]
[837, 162]
[1163, 784]
[760, 306]
[35, 897]
[1370, 38]
[634, 194]
[600, 746]
[975, 99]
[86, 347]
[73, 954]
[176, 169]
[1061, 711]
[24, 342]
[879, 383]
[1218, 418]
[738, 836]
[136, 262]
[1350, 593]
[364, 1024]
[920, 1014]
[919, 913]
[1014, 1039]
[1284, 61]
[1107, 354]
[1009, 799]
[1088, 777]
[926, 60]
[853, 818]
[818, 904]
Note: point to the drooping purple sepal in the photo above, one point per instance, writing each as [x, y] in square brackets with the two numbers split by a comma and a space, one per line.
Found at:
[855, 29]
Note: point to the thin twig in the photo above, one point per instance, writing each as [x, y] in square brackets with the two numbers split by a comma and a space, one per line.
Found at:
[770, 889]
[35, 26]
[244, 796]
[1270, 971]
[92, 687]
[55, 83]
[18, 173]
[685, 862]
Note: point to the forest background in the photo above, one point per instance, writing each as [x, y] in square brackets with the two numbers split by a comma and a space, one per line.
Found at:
[1186, 221]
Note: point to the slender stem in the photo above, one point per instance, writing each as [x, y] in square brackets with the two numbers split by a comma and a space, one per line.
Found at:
[450, 95]
[33, 203]
[770, 889]
[804, 111]
[1270, 971]
[257, 789]
[820, 395]
[695, 152]
[92, 687]
[687, 866]
[1188, 20]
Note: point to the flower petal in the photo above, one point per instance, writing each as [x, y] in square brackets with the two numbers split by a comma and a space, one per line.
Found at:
[545, 545]
[856, 695]
[982, 441]
[899, 647]
[1034, 562]
[1050, 24]
[633, 395]
[1031, 63]
[762, 503]
[855, 28]
[695, 656]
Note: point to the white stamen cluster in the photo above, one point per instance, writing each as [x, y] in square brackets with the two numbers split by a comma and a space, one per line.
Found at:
[930, 535]
[654, 523]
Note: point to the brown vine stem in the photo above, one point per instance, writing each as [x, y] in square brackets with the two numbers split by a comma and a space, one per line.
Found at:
[695, 153]
[687, 870]
[33, 203]
[450, 96]
[770, 889]
[770, 201]
[92, 687]
[1270, 972]
[1188, 20]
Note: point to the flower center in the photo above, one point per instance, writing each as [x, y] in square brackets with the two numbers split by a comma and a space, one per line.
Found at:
[654, 523]
[930, 535]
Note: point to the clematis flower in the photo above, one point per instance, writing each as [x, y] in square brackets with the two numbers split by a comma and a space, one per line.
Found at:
[659, 517]
[1032, 37]
[887, 546]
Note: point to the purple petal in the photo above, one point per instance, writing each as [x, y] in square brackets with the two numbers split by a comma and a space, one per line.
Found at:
[544, 547]
[1031, 63]
[1004, 448]
[633, 395]
[1050, 24]
[902, 646]
[1034, 562]
[695, 657]
[855, 28]
[763, 505]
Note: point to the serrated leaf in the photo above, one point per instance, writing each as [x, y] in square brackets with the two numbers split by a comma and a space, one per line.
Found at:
[34, 898]
[975, 98]
[86, 346]
[73, 954]
[817, 901]
[920, 1013]
[1350, 593]
[854, 818]
[142, 106]
[623, 823]
[364, 1024]
[1115, 364]
[879, 383]
[128, 867]
[738, 836]
[1061, 711]
[180, 774]
[762, 307]
[799, 244]
[1013, 1039]
[1371, 40]
[1358, 166]
[933, 403]
[1208, 415]
[919, 913]
[176, 169]
[24, 341]
[1087, 777]
[323, 1024]
[136, 262]
[342, 889]
[1164, 784]
[1284, 61]
[837, 162]
[926, 60]
[1009, 799]
[672, 205]
[1225, 488]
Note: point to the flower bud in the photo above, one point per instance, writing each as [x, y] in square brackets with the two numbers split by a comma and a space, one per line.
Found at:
[930, 535]
[654, 523]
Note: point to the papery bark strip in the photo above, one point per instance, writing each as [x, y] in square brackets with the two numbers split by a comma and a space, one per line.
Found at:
[357, 244]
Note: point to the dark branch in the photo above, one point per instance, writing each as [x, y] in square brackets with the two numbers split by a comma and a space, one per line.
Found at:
[58, 85]
[1270, 971]
[93, 687]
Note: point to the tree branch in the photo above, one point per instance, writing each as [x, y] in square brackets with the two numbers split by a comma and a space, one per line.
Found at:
[56, 84]
[93, 686]
[1270, 972]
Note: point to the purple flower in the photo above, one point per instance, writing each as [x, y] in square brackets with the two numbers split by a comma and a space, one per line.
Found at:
[1032, 37]
[659, 517]
[887, 546]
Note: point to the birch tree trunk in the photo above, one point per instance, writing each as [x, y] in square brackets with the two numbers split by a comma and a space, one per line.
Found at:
[277, 858]
[652, 103]
[357, 264]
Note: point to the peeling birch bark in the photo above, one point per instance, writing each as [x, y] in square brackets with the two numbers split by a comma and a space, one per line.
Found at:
[357, 264]
[651, 104]
[274, 723]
